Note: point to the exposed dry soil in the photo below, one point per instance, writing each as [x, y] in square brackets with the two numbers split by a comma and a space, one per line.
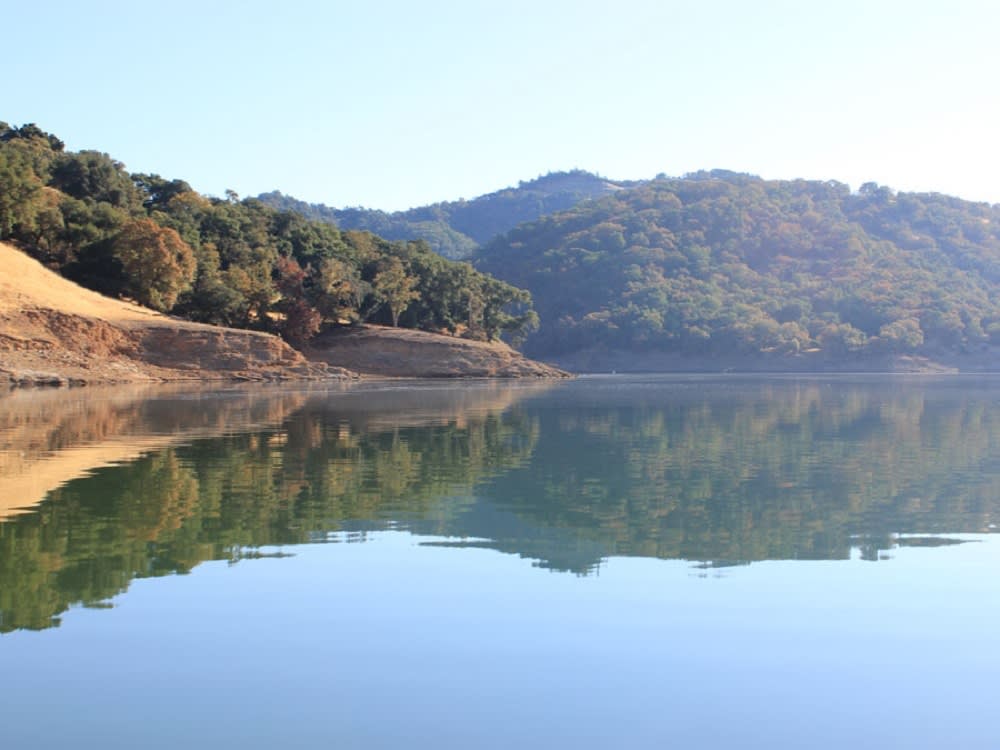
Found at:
[54, 332]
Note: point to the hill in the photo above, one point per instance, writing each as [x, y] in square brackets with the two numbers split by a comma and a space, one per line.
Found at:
[720, 270]
[231, 262]
[53, 331]
[455, 229]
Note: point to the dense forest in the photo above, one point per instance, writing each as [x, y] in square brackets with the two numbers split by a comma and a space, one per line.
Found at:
[228, 261]
[456, 229]
[724, 264]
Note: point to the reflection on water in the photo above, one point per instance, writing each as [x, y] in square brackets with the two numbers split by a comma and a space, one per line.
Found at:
[720, 471]
[280, 469]
[49, 437]
[732, 473]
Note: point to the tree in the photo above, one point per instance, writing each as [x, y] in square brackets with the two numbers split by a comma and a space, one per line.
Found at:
[31, 133]
[210, 299]
[339, 290]
[252, 281]
[902, 335]
[19, 188]
[394, 288]
[499, 298]
[158, 191]
[300, 321]
[91, 175]
[219, 260]
[841, 338]
[157, 263]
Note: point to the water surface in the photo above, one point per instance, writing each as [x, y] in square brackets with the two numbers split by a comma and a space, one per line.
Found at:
[642, 561]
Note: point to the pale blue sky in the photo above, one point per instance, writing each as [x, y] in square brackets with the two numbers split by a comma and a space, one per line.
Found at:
[395, 104]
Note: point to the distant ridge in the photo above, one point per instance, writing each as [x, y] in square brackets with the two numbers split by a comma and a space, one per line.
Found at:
[457, 228]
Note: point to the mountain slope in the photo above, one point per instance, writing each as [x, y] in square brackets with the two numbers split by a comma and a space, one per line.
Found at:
[456, 228]
[728, 267]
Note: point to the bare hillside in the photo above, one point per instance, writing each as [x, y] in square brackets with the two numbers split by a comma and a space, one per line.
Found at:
[53, 331]
[399, 352]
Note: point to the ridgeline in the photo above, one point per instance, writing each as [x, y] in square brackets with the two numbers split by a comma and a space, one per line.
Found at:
[456, 229]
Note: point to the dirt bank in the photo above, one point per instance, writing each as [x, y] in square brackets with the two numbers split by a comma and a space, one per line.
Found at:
[54, 332]
[398, 352]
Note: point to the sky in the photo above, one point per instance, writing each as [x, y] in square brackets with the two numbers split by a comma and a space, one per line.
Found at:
[397, 104]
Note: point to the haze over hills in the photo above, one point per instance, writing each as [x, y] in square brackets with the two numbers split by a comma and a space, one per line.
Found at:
[456, 229]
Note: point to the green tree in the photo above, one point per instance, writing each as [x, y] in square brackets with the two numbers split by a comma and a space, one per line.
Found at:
[393, 287]
[19, 191]
[85, 215]
[339, 290]
[902, 335]
[210, 299]
[91, 175]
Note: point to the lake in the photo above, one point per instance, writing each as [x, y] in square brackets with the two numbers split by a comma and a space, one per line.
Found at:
[642, 561]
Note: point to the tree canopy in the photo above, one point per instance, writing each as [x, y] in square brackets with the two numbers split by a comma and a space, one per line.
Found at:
[718, 262]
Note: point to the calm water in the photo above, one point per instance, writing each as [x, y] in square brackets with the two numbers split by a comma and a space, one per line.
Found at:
[609, 562]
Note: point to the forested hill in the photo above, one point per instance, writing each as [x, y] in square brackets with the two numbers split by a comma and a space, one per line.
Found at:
[725, 265]
[227, 261]
[456, 229]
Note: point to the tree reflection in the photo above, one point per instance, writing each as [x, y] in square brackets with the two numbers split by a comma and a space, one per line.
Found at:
[324, 466]
[723, 474]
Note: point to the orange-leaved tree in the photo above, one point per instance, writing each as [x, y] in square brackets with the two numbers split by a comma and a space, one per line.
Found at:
[157, 263]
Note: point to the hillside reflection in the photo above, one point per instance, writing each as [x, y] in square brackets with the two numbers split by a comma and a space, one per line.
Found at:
[732, 474]
[567, 475]
[252, 467]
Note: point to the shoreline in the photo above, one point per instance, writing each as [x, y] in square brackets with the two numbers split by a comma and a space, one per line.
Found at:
[930, 363]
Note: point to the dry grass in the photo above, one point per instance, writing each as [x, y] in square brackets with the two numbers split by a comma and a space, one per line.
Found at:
[27, 284]
[53, 331]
